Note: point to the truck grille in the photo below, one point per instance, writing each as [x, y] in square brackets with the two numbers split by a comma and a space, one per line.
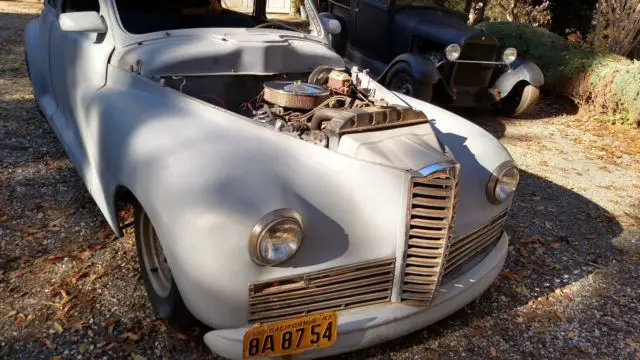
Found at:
[474, 74]
[464, 248]
[430, 219]
[333, 289]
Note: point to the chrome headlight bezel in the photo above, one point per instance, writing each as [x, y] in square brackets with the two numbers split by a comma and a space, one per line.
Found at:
[264, 225]
[509, 55]
[498, 177]
[452, 52]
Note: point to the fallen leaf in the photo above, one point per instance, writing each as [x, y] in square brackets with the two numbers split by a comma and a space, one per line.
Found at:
[633, 344]
[11, 313]
[135, 356]
[49, 344]
[20, 319]
[572, 335]
[556, 245]
[56, 357]
[3, 219]
[511, 275]
[97, 273]
[180, 336]
[131, 336]
[110, 323]
[57, 328]
[493, 351]
[82, 348]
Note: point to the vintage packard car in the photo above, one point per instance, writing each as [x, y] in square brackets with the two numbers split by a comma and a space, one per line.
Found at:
[293, 205]
[425, 49]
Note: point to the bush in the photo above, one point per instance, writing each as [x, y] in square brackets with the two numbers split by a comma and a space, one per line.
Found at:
[606, 84]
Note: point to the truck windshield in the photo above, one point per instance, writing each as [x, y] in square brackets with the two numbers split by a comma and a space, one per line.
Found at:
[146, 16]
[461, 6]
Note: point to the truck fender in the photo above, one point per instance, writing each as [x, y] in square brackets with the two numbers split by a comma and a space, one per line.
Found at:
[521, 70]
[424, 70]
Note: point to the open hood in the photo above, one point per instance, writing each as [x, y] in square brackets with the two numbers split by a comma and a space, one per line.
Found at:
[248, 51]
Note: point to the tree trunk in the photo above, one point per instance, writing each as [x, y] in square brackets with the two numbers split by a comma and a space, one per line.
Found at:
[476, 14]
[511, 10]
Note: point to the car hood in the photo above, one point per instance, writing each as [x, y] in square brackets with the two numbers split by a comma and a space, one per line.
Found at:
[407, 148]
[440, 26]
[248, 52]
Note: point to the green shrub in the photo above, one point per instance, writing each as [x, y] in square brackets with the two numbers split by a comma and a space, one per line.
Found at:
[605, 83]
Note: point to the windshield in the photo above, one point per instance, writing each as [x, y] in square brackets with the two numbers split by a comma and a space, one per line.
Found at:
[462, 6]
[146, 16]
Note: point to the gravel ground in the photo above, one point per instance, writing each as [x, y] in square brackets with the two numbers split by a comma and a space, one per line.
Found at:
[569, 289]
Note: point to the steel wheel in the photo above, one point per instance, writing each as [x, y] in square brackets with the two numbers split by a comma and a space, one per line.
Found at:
[522, 99]
[155, 263]
[401, 79]
[161, 287]
[402, 83]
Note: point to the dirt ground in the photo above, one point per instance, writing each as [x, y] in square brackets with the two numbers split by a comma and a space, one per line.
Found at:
[71, 290]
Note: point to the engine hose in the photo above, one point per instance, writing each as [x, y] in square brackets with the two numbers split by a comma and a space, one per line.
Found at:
[327, 114]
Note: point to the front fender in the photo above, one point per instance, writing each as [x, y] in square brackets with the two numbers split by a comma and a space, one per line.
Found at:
[424, 70]
[522, 70]
[206, 176]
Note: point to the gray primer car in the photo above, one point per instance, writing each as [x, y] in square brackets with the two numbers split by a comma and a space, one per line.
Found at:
[259, 197]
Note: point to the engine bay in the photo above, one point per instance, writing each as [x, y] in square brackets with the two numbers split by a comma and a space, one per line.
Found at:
[318, 107]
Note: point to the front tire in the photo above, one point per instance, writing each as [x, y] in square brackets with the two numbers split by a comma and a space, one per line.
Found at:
[162, 291]
[522, 98]
[401, 79]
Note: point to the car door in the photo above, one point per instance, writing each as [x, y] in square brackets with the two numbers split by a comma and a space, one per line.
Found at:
[78, 63]
[38, 58]
[372, 28]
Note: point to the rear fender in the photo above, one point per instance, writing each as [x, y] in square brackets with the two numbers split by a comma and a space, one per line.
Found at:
[521, 70]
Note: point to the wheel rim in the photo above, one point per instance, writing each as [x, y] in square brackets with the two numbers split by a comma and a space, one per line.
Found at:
[402, 84]
[155, 263]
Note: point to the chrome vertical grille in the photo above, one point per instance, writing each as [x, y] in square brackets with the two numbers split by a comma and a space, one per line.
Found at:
[431, 209]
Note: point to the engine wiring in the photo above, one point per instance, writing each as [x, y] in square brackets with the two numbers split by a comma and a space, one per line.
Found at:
[216, 99]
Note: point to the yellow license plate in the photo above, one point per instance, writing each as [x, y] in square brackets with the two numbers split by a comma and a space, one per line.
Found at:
[290, 336]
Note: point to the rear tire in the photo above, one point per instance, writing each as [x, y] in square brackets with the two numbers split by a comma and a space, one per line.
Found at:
[401, 79]
[161, 288]
[522, 98]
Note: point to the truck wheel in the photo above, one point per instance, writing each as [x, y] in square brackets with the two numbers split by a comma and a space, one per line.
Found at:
[401, 79]
[522, 98]
[161, 288]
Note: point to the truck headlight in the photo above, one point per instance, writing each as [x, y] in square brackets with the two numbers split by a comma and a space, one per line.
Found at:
[452, 52]
[509, 55]
[503, 182]
[276, 237]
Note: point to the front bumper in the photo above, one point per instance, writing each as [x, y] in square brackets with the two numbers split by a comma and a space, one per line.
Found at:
[367, 326]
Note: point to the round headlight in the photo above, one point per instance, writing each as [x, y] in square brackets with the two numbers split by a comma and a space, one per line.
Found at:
[276, 237]
[503, 182]
[452, 52]
[509, 55]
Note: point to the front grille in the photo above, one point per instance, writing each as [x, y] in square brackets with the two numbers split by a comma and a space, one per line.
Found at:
[430, 218]
[333, 289]
[479, 51]
[464, 248]
[470, 75]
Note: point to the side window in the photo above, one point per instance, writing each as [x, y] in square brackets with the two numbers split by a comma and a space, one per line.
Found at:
[79, 5]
